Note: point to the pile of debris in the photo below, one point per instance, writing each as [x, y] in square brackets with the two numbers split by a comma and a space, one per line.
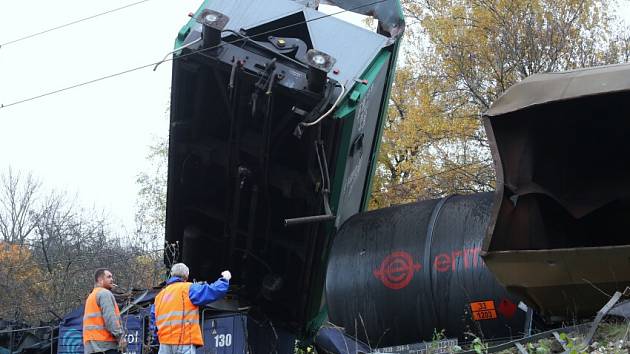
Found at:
[608, 333]
[21, 338]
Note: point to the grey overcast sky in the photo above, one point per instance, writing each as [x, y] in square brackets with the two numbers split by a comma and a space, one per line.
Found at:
[90, 141]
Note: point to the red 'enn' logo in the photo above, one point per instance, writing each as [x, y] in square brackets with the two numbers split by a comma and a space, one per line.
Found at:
[396, 270]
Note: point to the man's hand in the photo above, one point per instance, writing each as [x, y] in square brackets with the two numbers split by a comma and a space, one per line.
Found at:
[226, 274]
[122, 345]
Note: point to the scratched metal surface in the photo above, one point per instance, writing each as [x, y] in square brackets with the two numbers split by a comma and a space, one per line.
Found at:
[393, 276]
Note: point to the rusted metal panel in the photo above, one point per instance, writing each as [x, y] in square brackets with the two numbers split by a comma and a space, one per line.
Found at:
[558, 229]
[545, 88]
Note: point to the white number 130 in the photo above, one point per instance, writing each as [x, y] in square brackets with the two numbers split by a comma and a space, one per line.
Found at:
[222, 340]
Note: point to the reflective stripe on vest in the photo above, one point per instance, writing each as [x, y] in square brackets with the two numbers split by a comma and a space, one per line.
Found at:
[93, 322]
[176, 317]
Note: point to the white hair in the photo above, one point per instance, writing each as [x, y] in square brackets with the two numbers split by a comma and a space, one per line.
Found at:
[180, 270]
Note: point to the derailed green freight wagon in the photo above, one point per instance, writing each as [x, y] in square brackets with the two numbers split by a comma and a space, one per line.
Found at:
[276, 116]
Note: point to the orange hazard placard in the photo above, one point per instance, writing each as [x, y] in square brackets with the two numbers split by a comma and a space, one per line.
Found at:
[483, 310]
[484, 315]
[481, 306]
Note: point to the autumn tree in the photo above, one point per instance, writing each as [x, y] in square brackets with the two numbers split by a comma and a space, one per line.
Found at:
[150, 215]
[18, 195]
[151, 211]
[20, 294]
[151, 201]
[459, 56]
[47, 262]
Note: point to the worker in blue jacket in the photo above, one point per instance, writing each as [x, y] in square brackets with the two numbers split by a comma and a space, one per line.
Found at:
[175, 312]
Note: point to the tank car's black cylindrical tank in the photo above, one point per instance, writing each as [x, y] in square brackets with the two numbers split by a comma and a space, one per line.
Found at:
[397, 274]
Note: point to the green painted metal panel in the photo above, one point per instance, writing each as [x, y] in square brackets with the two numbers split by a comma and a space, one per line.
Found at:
[391, 75]
[181, 35]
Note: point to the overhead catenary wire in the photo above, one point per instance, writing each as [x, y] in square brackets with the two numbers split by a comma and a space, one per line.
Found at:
[124, 72]
[72, 23]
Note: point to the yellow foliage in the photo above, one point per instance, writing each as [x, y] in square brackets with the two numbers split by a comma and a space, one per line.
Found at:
[148, 270]
[19, 279]
[460, 56]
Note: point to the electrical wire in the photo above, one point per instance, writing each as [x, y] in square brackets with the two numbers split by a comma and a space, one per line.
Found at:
[72, 23]
[245, 38]
[176, 50]
[309, 124]
[75, 86]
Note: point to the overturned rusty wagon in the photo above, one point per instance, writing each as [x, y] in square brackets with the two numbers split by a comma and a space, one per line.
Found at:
[558, 234]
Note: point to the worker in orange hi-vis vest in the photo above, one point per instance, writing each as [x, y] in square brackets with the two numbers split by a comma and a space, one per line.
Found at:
[175, 312]
[102, 329]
